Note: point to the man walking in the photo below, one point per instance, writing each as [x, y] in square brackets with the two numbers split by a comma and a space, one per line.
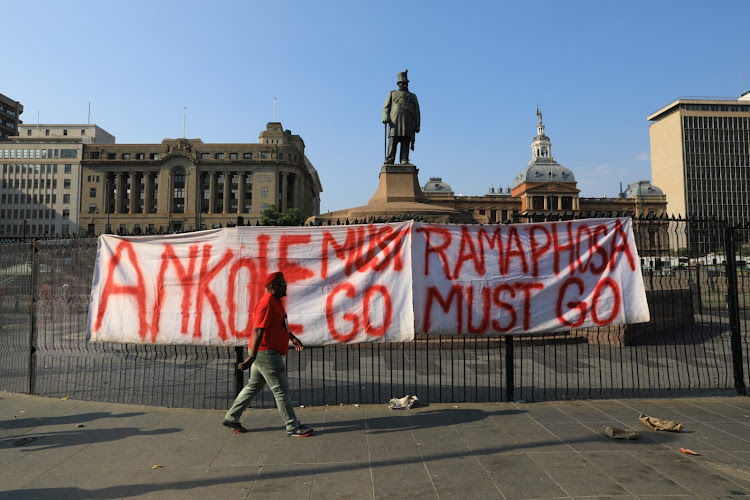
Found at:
[268, 345]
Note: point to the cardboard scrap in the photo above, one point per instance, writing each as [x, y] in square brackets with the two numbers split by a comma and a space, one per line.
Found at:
[659, 424]
[615, 433]
[404, 403]
[689, 452]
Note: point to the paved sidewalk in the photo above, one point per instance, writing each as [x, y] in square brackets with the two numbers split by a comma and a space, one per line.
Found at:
[59, 449]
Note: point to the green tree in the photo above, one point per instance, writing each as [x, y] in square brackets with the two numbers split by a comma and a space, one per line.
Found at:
[272, 217]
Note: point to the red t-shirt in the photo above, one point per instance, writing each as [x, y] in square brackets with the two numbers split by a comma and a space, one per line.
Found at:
[269, 314]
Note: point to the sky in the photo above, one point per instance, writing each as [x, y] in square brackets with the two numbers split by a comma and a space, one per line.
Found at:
[596, 70]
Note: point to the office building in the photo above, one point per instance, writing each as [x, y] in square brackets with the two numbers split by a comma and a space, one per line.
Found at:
[700, 157]
[40, 194]
[10, 117]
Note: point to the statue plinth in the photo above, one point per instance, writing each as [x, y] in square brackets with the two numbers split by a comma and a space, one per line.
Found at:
[398, 183]
[398, 195]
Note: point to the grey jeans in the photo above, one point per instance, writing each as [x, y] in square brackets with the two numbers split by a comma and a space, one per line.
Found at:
[269, 368]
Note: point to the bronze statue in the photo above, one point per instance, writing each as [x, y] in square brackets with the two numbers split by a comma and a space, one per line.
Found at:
[401, 113]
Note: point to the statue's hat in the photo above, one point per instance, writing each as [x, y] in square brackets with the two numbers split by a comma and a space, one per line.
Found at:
[402, 77]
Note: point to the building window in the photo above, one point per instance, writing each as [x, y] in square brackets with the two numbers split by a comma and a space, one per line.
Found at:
[233, 156]
[566, 202]
[264, 192]
[140, 156]
[248, 156]
[92, 208]
[68, 169]
[126, 156]
[264, 156]
[178, 197]
[205, 156]
[65, 132]
[46, 132]
[66, 183]
[66, 198]
[281, 156]
[83, 131]
[219, 156]
[95, 155]
[263, 207]
[28, 132]
[92, 193]
[66, 213]
[154, 156]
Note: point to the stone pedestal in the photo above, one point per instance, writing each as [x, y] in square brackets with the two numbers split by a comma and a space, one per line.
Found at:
[398, 183]
[398, 195]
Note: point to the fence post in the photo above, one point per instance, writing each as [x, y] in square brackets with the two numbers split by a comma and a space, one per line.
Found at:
[734, 311]
[31, 382]
[509, 370]
[239, 377]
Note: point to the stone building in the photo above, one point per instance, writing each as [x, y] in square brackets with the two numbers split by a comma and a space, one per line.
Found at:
[10, 117]
[186, 184]
[700, 155]
[41, 179]
[547, 191]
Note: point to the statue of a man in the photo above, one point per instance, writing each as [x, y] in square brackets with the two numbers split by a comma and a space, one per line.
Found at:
[401, 113]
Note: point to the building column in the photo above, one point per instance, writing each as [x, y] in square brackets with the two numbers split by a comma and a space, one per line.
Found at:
[120, 191]
[148, 192]
[212, 192]
[284, 202]
[227, 191]
[133, 202]
[241, 193]
[296, 192]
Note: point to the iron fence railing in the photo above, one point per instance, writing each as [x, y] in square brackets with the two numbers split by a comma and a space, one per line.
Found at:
[697, 342]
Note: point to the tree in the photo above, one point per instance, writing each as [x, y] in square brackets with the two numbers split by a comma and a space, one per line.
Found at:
[272, 217]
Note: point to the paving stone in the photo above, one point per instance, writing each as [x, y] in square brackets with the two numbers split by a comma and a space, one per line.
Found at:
[577, 476]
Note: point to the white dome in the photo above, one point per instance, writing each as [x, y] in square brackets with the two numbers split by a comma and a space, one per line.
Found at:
[642, 188]
[436, 185]
[544, 170]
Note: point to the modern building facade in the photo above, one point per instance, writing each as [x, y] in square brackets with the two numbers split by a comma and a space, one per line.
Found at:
[700, 157]
[186, 184]
[40, 193]
[10, 117]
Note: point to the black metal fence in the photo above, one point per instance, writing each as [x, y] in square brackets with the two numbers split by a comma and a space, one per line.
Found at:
[696, 343]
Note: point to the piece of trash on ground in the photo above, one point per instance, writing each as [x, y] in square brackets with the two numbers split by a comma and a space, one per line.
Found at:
[402, 403]
[689, 452]
[659, 424]
[80, 425]
[157, 466]
[64, 399]
[615, 433]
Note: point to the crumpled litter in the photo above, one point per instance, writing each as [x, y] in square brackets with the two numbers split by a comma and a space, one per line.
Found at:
[615, 433]
[404, 403]
[661, 425]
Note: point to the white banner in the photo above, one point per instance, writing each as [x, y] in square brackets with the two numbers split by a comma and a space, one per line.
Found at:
[368, 283]
[525, 278]
[347, 284]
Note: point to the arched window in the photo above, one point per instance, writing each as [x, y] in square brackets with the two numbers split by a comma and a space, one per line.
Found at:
[178, 194]
[544, 152]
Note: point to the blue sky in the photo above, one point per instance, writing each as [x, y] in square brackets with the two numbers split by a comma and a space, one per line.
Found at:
[479, 69]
